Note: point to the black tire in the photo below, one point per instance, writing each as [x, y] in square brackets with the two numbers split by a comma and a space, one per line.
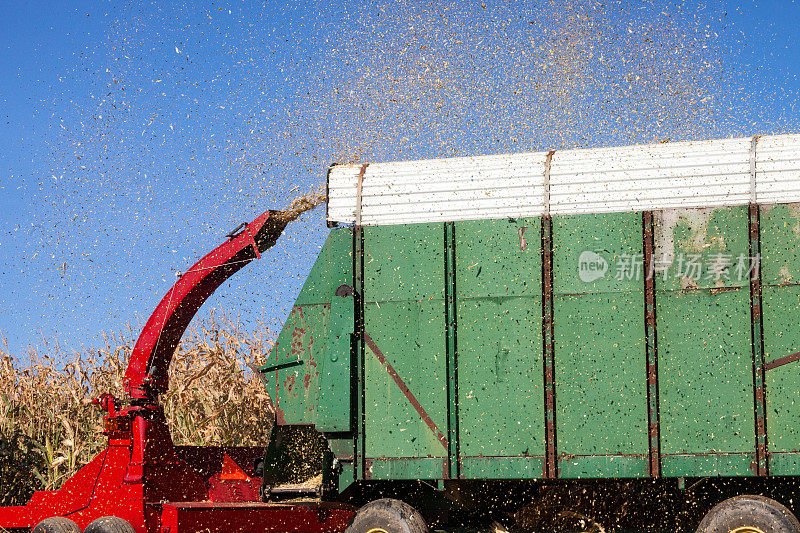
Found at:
[387, 516]
[56, 524]
[749, 514]
[109, 524]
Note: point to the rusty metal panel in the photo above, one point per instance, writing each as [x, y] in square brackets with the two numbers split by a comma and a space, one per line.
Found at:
[600, 357]
[651, 344]
[757, 340]
[780, 247]
[405, 354]
[703, 307]
[305, 336]
[303, 340]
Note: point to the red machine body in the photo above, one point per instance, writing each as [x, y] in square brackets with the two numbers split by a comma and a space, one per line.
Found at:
[142, 477]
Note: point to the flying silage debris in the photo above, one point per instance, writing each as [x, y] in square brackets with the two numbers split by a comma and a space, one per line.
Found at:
[476, 325]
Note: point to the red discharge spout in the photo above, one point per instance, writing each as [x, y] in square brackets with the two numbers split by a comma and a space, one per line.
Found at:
[147, 374]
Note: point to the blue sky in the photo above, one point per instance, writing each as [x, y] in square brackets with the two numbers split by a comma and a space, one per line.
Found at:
[134, 137]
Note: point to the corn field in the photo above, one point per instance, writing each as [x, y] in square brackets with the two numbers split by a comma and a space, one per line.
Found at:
[49, 428]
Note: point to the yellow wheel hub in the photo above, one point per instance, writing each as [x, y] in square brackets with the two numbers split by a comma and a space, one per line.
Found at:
[746, 529]
[379, 530]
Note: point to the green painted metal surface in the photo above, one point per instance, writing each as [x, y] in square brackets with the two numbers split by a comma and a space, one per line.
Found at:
[782, 338]
[602, 466]
[600, 358]
[500, 373]
[406, 468]
[502, 467]
[499, 258]
[333, 405]
[784, 464]
[607, 240]
[305, 337]
[346, 476]
[717, 464]
[780, 248]
[405, 378]
[705, 372]
[302, 339]
[332, 268]
[341, 447]
[410, 335]
[705, 352]
[498, 280]
[702, 248]
[601, 397]
[651, 348]
[488, 337]
[404, 263]
[780, 235]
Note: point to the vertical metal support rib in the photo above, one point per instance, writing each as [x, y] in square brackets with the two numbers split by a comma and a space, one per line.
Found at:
[757, 336]
[651, 345]
[451, 320]
[358, 397]
[550, 465]
[357, 392]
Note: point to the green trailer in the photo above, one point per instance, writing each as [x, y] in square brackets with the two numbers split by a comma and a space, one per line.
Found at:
[479, 333]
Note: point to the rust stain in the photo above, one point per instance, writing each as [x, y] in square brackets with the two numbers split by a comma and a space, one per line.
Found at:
[298, 346]
[280, 416]
[289, 383]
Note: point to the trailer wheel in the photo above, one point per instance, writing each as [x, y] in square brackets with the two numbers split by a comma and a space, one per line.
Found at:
[109, 524]
[749, 514]
[56, 524]
[387, 516]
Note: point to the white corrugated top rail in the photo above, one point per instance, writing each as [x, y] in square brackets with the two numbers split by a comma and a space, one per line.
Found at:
[692, 174]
